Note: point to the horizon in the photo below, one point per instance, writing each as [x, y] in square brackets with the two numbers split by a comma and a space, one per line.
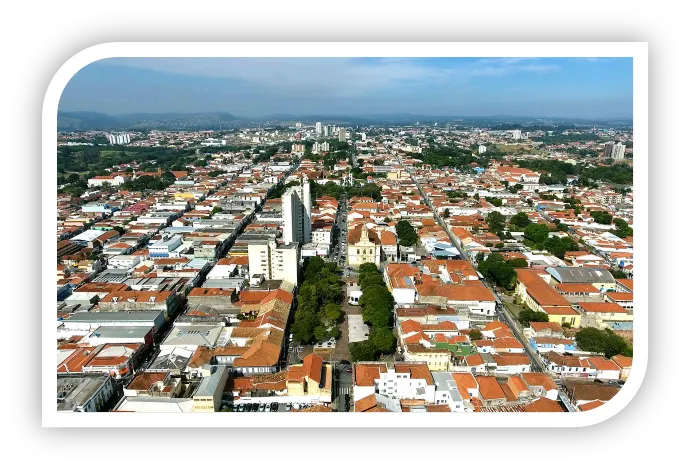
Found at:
[557, 88]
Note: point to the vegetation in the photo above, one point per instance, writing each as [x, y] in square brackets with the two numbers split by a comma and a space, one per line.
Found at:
[495, 201]
[377, 311]
[475, 334]
[407, 234]
[603, 218]
[495, 268]
[318, 302]
[334, 190]
[520, 220]
[528, 315]
[452, 156]
[496, 222]
[537, 232]
[622, 230]
[595, 340]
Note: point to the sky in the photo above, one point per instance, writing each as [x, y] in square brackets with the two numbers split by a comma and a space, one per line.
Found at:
[255, 87]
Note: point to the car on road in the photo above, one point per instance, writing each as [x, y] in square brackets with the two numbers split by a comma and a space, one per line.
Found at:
[274, 407]
[234, 408]
[255, 407]
[262, 407]
[348, 370]
[288, 406]
[238, 408]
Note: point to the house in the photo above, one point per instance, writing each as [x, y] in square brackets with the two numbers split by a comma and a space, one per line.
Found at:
[312, 378]
[544, 329]
[401, 381]
[538, 295]
[389, 245]
[540, 384]
[606, 369]
[624, 363]
[569, 366]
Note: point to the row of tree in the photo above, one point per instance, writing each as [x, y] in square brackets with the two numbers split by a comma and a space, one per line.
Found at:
[497, 269]
[318, 302]
[407, 234]
[377, 311]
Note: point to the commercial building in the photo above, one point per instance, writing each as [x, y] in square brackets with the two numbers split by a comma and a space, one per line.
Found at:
[83, 393]
[296, 204]
[342, 134]
[274, 261]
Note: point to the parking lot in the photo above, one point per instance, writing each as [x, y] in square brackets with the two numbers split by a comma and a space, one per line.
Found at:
[357, 330]
[265, 407]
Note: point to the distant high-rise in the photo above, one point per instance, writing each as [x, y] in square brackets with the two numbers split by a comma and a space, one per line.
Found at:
[318, 128]
[481, 149]
[608, 149]
[118, 139]
[618, 152]
[297, 213]
[319, 147]
[298, 125]
[342, 134]
[326, 130]
[364, 137]
[517, 134]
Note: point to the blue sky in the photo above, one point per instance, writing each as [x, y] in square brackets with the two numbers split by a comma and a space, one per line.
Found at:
[251, 87]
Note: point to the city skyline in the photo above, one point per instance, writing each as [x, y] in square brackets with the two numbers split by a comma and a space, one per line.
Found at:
[253, 87]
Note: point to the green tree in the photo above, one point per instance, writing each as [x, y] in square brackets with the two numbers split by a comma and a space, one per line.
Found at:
[496, 222]
[528, 315]
[475, 334]
[603, 218]
[363, 351]
[604, 341]
[519, 263]
[537, 232]
[446, 213]
[520, 220]
[383, 339]
[407, 235]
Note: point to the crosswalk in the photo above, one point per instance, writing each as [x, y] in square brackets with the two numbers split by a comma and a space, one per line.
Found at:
[341, 391]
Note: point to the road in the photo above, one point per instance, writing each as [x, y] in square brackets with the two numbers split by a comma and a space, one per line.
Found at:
[536, 364]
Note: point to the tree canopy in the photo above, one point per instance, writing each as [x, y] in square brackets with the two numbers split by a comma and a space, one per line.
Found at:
[407, 234]
[604, 341]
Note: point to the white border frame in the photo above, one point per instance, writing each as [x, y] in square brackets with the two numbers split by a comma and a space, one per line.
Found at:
[637, 50]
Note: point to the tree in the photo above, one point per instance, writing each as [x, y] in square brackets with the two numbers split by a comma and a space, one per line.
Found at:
[476, 196]
[475, 334]
[480, 257]
[519, 263]
[407, 235]
[537, 232]
[520, 220]
[496, 222]
[332, 312]
[383, 339]
[362, 351]
[528, 315]
[446, 213]
[603, 218]
[622, 230]
[618, 273]
[604, 341]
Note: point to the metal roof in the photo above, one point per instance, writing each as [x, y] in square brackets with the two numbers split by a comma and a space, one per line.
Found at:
[581, 275]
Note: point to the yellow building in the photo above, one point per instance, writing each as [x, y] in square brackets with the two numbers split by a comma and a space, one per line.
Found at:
[363, 245]
[312, 378]
[435, 359]
[564, 316]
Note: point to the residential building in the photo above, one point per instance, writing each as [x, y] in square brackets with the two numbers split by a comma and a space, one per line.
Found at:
[296, 202]
[274, 261]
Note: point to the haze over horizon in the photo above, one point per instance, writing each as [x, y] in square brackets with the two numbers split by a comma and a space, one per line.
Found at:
[252, 87]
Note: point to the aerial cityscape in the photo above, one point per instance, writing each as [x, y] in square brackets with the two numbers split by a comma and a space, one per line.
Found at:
[235, 237]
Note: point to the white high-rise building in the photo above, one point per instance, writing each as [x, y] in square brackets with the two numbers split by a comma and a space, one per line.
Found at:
[118, 139]
[517, 134]
[326, 130]
[342, 134]
[274, 261]
[364, 137]
[298, 125]
[618, 152]
[319, 147]
[608, 150]
[481, 149]
[297, 213]
[318, 128]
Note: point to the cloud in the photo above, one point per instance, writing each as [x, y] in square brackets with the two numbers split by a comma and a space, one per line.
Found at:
[341, 77]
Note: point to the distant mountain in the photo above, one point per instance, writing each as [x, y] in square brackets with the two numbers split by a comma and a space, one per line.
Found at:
[80, 120]
[71, 121]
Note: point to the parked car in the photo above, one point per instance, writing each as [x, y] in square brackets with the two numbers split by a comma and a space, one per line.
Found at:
[255, 407]
[235, 408]
[240, 408]
[348, 370]
[274, 407]
[262, 407]
[288, 406]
